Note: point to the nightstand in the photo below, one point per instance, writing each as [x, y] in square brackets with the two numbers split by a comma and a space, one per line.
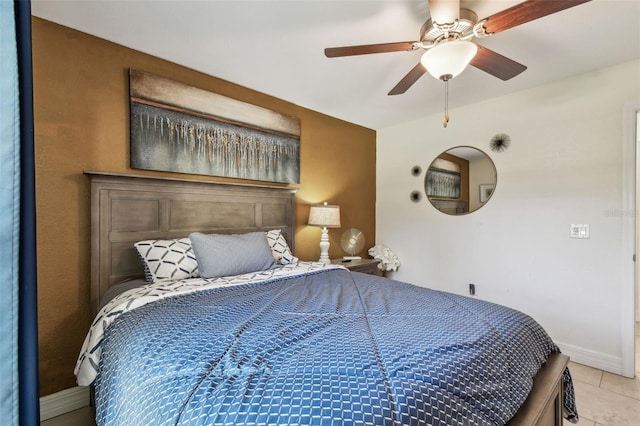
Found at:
[366, 266]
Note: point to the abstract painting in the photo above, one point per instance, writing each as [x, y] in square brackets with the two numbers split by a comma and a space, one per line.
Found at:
[183, 129]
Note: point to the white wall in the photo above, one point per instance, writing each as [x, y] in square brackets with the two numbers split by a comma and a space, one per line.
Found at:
[481, 171]
[564, 166]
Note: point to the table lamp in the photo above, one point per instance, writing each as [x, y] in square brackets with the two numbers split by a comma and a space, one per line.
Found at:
[325, 216]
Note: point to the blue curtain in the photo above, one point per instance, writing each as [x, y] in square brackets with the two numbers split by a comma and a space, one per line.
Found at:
[19, 402]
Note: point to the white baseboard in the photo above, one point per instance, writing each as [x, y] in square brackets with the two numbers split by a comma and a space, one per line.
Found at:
[590, 358]
[65, 401]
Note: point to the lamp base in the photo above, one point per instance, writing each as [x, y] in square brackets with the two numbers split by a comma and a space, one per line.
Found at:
[324, 246]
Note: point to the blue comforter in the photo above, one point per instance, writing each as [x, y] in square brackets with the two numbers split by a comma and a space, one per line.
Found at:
[330, 347]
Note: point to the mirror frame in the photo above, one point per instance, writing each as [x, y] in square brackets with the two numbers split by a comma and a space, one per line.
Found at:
[457, 183]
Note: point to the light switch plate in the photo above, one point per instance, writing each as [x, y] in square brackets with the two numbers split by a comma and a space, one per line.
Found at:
[580, 230]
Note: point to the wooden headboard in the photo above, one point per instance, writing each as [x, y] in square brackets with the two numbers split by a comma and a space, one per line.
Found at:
[126, 209]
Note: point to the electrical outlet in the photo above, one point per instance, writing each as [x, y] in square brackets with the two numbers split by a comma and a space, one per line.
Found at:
[472, 289]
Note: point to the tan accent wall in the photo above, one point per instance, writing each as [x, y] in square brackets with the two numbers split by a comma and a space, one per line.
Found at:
[82, 123]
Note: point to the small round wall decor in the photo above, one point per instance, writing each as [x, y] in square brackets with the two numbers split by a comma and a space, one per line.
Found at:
[500, 142]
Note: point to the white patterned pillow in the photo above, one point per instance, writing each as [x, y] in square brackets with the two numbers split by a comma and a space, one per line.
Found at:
[279, 248]
[167, 260]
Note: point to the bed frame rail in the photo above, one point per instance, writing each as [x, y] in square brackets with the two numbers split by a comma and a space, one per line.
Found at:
[543, 406]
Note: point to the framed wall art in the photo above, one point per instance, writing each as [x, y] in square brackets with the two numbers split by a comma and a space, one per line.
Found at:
[442, 183]
[183, 129]
[486, 189]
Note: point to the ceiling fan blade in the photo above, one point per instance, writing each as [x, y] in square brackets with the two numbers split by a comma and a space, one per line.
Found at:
[526, 12]
[408, 80]
[366, 49]
[495, 64]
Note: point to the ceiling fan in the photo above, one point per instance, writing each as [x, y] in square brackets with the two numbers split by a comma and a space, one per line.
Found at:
[446, 38]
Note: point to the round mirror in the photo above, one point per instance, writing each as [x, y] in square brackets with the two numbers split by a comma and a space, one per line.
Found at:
[460, 180]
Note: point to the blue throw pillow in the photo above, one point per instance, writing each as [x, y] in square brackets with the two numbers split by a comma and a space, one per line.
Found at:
[221, 255]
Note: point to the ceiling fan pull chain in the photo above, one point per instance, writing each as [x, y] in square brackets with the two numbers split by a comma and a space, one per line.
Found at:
[446, 103]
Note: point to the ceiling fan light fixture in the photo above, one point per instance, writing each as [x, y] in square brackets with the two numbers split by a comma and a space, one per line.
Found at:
[447, 59]
[444, 12]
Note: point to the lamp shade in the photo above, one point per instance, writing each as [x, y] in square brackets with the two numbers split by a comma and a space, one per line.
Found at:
[326, 216]
[447, 59]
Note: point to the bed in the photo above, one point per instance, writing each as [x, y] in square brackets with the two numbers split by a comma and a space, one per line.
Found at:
[292, 342]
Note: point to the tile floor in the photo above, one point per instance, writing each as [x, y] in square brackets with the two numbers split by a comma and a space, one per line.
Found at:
[603, 399]
[606, 399]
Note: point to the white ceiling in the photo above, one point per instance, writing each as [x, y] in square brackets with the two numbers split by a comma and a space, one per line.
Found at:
[277, 47]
